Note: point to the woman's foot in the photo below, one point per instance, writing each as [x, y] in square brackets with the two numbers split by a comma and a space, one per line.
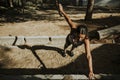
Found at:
[70, 53]
[63, 53]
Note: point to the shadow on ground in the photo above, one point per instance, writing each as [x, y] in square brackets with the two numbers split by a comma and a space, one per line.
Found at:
[19, 77]
[106, 60]
[18, 15]
[103, 22]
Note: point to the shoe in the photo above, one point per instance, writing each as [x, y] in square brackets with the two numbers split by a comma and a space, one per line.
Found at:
[63, 53]
[71, 54]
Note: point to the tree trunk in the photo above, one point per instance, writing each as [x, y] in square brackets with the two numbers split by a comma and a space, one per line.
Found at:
[89, 11]
[11, 3]
[108, 32]
[77, 2]
[23, 4]
[81, 2]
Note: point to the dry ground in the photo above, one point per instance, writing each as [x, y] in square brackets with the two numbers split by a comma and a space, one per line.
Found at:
[48, 59]
[41, 23]
[49, 23]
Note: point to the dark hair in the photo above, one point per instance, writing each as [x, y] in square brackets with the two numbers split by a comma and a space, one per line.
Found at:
[82, 29]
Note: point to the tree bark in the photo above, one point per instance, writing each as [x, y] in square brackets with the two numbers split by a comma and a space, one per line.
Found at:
[89, 10]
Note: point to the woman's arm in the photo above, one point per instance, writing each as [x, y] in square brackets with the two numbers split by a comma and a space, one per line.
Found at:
[57, 2]
[89, 58]
[69, 21]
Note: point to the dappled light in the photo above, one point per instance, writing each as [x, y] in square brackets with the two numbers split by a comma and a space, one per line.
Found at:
[41, 39]
[101, 58]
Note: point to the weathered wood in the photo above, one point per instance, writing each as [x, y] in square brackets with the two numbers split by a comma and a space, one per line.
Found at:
[108, 32]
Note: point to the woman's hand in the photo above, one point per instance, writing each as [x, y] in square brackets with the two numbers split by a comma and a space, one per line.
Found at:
[60, 7]
[91, 75]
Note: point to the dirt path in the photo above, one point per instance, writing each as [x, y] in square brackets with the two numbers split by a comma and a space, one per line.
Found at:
[34, 28]
[49, 23]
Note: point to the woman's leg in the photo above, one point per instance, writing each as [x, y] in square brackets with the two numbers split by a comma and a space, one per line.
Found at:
[67, 43]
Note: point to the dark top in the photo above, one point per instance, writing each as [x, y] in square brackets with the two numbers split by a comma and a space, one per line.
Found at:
[74, 35]
[76, 41]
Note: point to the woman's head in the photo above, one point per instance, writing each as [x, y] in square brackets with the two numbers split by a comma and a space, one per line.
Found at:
[82, 31]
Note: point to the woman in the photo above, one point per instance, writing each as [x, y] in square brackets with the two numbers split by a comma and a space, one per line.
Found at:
[77, 36]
